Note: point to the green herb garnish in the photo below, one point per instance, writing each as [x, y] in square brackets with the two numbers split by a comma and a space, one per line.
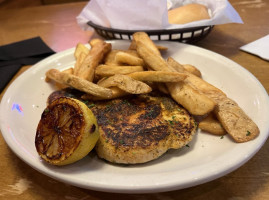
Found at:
[91, 105]
[170, 122]
[125, 101]
[86, 102]
[248, 133]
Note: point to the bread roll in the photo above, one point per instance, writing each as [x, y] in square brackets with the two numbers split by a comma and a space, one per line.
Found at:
[188, 13]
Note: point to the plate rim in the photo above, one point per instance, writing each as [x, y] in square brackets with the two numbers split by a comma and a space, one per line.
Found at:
[160, 188]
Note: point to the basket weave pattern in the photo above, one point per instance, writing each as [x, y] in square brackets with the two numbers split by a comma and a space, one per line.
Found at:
[186, 35]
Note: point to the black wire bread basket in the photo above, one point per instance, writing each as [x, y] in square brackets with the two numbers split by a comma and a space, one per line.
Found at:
[185, 35]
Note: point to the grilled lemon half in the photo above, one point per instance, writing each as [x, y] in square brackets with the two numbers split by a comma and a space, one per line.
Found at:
[66, 132]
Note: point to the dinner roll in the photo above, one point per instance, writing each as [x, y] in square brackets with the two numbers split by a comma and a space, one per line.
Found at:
[188, 13]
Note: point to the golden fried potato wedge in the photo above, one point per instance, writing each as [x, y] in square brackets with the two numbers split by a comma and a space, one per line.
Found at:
[127, 58]
[78, 83]
[131, 52]
[153, 60]
[184, 68]
[158, 76]
[81, 48]
[116, 93]
[132, 45]
[80, 59]
[159, 47]
[175, 65]
[95, 41]
[190, 98]
[192, 69]
[235, 121]
[110, 70]
[60, 85]
[142, 36]
[211, 125]
[125, 83]
[110, 57]
[195, 81]
[183, 93]
[69, 70]
[96, 54]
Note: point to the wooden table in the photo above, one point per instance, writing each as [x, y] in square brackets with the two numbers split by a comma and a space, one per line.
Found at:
[57, 26]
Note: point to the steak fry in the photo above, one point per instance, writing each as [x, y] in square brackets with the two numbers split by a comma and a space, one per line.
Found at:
[190, 98]
[110, 70]
[126, 58]
[158, 76]
[142, 36]
[192, 69]
[96, 54]
[78, 83]
[198, 83]
[125, 83]
[212, 125]
[80, 48]
[116, 93]
[183, 68]
[182, 92]
[233, 119]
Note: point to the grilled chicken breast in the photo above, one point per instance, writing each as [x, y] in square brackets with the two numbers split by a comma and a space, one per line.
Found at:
[138, 128]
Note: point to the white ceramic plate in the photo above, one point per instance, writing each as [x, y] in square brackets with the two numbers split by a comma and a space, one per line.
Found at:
[207, 157]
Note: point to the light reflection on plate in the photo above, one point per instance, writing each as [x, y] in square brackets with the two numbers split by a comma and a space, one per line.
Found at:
[206, 158]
